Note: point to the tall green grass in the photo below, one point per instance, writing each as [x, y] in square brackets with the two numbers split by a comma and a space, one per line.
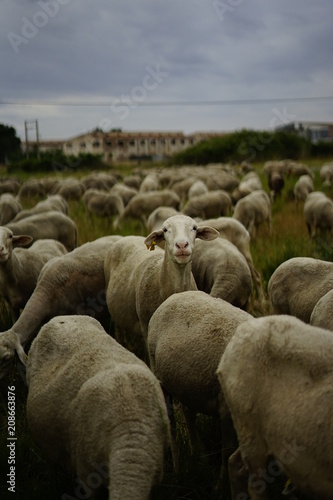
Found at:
[37, 479]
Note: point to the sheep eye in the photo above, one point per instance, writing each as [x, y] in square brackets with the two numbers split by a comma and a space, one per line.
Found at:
[10, 236]
[165, 230]
[195, 228]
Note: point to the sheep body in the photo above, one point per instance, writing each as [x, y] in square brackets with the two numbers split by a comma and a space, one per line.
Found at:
[95, 406]
[235, 232]
[71, 284]
[102, 203]
[142, 204]
[221, 270]
[297, 284]
[322, 313]
[187, 335]
[158, 216]
[318, 213]
[20, 267]
[273, 369]
[326, 174]
[49, 225]
[10, 206]
[139, 281]
[51, 203]
[303, 186]
[208, 205]
[253, 210]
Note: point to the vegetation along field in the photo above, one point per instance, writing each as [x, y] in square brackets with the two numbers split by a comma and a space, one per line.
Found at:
[36, 478]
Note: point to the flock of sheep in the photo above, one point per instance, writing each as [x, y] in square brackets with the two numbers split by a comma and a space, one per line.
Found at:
[181, 295]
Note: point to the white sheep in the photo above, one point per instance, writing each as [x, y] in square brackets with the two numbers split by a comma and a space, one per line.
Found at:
[138, 281]
[10, 206]
[276, 374]
[318, 213]
[149, 183]
[221, 270]
[250, 182]
[208, 205]
[187, 335]
[254, 210]
[31, 188]
[71, 284]
[326, 174]
[322, 313]
[104, 204]
[70, 189]
[52, 202]
[20, 267]
[142, 204]
[125, 192]
[158, 216]
[297, 284]
[48, 225]
[198, 188]
[234, 231]
[303, 186]
[95, 407]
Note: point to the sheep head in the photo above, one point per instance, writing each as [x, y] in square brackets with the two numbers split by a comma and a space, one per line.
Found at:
[179, 233]
[8, 242]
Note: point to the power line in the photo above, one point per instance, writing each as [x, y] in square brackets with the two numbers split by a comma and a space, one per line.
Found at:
[133, 101]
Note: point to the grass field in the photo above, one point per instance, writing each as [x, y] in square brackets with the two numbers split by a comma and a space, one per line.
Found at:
[36, 479]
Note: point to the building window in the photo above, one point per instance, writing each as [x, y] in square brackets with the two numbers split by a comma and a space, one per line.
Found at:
[153, 142]
[132, 143]
[121, 144]
[173, 141]
[82, 145]
[162, 141]
[142, 142]
[69, 145]
[108, 143]
[96, 144]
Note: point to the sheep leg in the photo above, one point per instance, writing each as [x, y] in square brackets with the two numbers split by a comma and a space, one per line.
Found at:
[229, 448]
[173, 429]
[238, 475]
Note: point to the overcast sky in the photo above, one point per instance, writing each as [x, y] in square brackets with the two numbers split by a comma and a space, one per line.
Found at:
[134, 64]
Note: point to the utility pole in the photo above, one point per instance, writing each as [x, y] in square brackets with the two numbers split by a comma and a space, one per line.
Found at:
[31, 124]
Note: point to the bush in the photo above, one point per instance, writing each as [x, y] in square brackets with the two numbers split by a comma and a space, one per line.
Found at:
[246, 145]
[56, 161]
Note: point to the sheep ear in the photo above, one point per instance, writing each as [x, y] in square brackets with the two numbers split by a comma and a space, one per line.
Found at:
[21, 241]
[154, 238]
[207, 233]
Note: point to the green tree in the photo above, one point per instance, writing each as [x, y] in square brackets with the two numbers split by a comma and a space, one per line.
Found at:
[10, 144]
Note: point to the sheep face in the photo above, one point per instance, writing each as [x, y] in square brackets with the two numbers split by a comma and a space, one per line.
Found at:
[179, 233]
[8, 241]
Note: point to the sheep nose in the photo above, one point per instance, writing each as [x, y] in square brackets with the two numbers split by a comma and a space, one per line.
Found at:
[182, 244]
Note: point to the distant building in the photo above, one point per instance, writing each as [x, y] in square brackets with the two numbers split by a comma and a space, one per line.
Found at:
[121, 146]
[314, 131]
